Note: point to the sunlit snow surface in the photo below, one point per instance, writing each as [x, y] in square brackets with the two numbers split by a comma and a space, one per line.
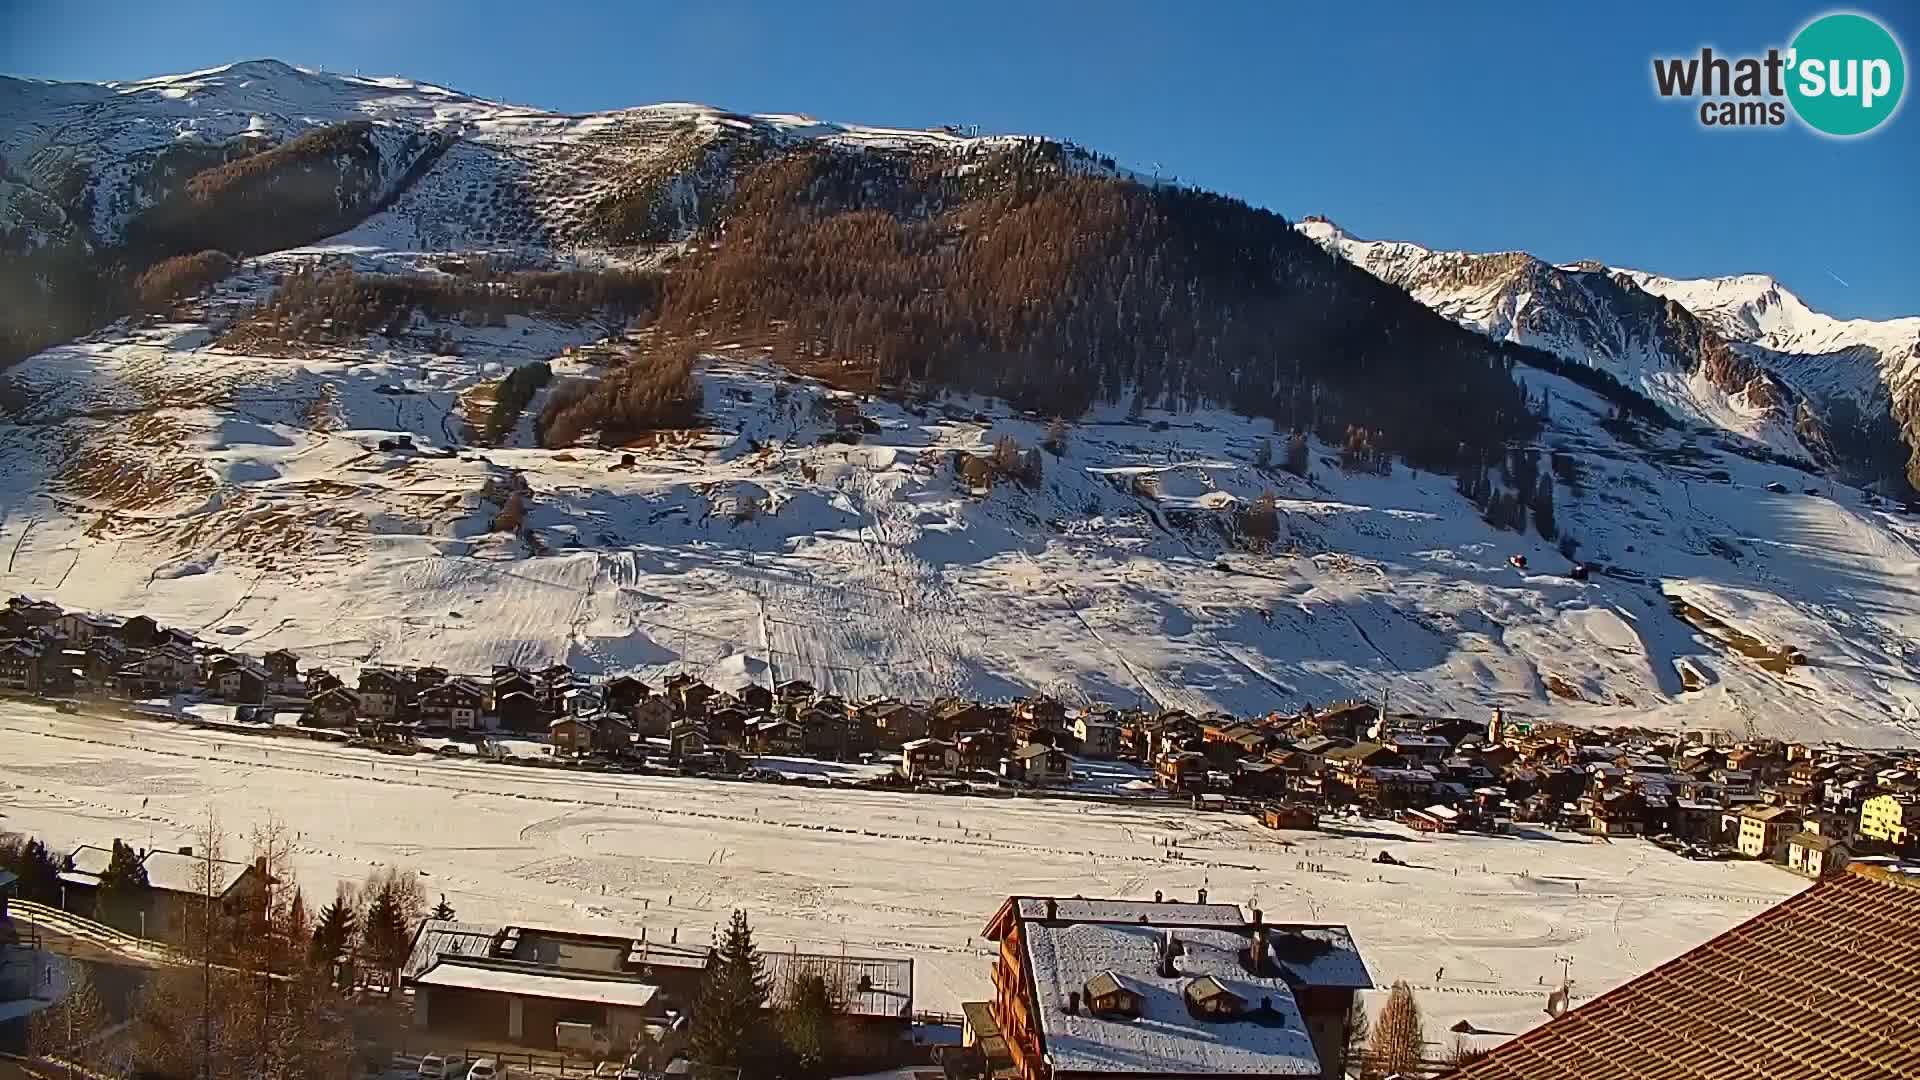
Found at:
[1477, 924]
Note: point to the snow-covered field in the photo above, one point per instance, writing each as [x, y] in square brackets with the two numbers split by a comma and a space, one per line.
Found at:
[1476, 923]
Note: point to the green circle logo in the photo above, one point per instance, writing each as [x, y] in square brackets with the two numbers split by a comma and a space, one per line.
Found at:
[1847, 74]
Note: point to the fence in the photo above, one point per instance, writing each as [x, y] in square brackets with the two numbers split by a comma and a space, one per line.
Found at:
[526, 1063]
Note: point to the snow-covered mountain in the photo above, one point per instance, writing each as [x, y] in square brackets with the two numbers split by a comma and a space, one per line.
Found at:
[1742, 353]
[208, 464]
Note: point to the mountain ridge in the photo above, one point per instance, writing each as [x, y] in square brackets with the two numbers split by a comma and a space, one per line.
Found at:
[1776, 371]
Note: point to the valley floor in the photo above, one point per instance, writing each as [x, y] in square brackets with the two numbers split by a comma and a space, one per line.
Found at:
[1477, 924]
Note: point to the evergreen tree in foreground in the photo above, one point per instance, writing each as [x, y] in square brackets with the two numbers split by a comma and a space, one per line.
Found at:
[123, 888]
[332, 935]
[727, 1022]
[443, 910]
[807, 1026]
[39, 872]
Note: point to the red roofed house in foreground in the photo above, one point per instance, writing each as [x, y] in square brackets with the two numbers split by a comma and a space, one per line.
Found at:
[1823, 986]
[1148, 988]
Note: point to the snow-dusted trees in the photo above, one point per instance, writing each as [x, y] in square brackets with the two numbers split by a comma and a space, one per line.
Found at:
[1056, 440]
[1296, 462]
[649, 391]
[1261, 520]
[1359, 1032]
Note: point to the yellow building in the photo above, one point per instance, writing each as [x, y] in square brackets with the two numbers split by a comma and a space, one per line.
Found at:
[1891, 819]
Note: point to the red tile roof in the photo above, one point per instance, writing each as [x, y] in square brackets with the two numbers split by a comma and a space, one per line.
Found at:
[1824, 986]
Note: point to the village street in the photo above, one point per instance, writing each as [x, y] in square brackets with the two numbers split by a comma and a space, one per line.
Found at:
[1479, 924]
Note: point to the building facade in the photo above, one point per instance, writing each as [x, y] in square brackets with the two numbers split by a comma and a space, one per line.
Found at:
[1149, 988]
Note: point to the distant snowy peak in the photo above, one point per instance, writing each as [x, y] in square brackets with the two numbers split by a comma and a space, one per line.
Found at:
[1586, 313]
[1742, 353]
[1758, 310]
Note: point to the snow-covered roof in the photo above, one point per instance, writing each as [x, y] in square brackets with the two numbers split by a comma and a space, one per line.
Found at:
[444, 937]
[507, 977]
[1269, 1037]
[1132, 911]
[868, 985]
[88, 859]
[175, 872]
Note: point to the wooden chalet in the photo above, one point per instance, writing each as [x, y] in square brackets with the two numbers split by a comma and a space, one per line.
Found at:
[334, 707]
[455, 704]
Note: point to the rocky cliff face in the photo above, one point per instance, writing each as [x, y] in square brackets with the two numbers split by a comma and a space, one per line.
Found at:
[1741, 354]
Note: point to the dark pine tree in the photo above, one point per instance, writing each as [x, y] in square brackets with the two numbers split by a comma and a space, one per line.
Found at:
[729, 1020]
[35, 867]
[123, 888]
[332, 935]
[443, 910]
[1543, 507]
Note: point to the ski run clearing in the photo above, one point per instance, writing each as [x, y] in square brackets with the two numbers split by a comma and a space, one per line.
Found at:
[1476, 923]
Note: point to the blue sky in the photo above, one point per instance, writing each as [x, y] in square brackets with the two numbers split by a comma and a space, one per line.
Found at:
[1481, 126]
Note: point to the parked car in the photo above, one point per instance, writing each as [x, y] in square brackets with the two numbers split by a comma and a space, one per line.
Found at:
[487, 1069]
[1777, 488]
[440, 1067]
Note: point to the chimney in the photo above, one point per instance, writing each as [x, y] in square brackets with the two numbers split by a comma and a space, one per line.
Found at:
[674, 937]
[1158, 897]
[260, 866]
[1169, 948]
[1053, 908]
[1073, 1003]
[1203, 896]
[1257, 953]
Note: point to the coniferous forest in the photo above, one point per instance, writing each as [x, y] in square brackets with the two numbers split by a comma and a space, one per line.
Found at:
[1057, 290]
